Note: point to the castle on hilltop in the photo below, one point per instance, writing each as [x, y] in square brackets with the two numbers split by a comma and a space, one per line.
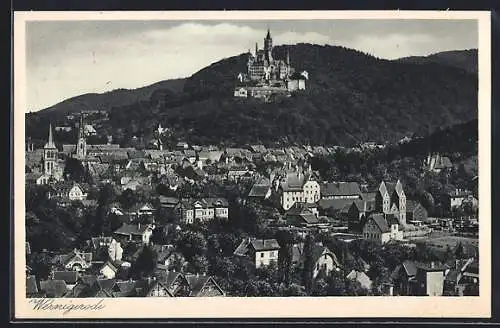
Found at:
[267, 76]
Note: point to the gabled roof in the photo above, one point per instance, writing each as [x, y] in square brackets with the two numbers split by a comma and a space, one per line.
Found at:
[318, 250]
[197, 282]
[411, 205]
[340, 189]
[380, 221]
[110, 265]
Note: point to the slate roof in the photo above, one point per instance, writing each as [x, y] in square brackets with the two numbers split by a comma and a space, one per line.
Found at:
[391, 219]
[410, 268]
[368, 196]
[294, 181]
[258, 245]
[340, 189]
[335, 204]
[168, 200]
[265, 244]
[259, 190]
[360, 204]
[53, 288]
[380, 222]
[69, 277]
[132, 229]
[197, 282]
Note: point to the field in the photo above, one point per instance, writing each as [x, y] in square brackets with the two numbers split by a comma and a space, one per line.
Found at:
[440, 241]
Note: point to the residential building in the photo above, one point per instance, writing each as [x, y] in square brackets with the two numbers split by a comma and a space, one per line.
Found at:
[430, 279]
[135, 232]
[71, 191]
[261, 252]
[298, 187]
[202, 210]
[204, 286]
[459, 196]
[74, 260]
[437, 163]
[108, 270]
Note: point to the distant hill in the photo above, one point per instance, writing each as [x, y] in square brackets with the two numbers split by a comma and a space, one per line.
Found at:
[351, 97]
[112, 99]
[464, 59]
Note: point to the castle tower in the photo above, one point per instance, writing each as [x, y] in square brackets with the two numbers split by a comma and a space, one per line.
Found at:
[49, 155]
[81, 144]
[268, 47]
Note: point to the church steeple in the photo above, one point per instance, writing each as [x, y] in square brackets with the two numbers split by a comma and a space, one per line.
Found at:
[49, 155]
[268, 36]
[50, 142]
[81, 143]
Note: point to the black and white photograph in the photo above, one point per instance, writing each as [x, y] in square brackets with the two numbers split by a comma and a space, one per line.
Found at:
[252, 158]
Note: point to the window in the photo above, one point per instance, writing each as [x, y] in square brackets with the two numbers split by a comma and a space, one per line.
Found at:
[317, 266]
[326, 256]
[261, 254]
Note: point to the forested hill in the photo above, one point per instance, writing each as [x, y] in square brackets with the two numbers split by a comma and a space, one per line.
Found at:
[464, 59]
[112, 99]
[351, 97]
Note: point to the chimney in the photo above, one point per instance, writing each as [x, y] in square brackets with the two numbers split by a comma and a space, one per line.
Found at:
[138, 225]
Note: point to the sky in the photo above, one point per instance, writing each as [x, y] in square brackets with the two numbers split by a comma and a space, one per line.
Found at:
[69, 58]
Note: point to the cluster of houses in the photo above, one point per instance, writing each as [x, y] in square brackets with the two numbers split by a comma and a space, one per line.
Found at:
[305, 202]
[102, 270]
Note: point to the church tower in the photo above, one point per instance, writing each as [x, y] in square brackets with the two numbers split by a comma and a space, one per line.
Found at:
[268, 47]
[49, 155]
[81, 144]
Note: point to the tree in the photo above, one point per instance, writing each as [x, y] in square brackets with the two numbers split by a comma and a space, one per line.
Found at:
[308, 262]
[128, 198]
[459, 251]
[198, 264]
[192, 244]
[74, 170]
[145, 263]
[40, 265]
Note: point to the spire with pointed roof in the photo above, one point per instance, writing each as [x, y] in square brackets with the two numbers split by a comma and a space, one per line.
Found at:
[50, 142]
[268, 36]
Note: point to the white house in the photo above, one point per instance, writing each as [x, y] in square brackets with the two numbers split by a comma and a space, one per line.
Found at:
[108, 270]
[298, 187]
[261, 252]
